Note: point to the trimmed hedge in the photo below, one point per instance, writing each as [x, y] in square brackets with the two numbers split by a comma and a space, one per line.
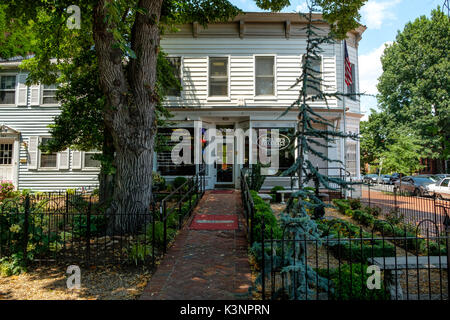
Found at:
[350, 283]
[270, 221]
[353, 250]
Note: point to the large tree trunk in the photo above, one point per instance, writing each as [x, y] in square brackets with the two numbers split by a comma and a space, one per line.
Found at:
[130, 117]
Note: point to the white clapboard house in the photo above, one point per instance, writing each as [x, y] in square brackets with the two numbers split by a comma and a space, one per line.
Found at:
[235, 75]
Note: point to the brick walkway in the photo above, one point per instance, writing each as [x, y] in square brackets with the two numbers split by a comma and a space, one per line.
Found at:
[203, 264]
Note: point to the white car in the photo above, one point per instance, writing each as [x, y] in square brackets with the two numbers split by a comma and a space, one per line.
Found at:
[440, 189]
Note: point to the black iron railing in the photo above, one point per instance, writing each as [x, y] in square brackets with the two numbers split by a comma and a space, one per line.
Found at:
[362, 266]
[73, 228]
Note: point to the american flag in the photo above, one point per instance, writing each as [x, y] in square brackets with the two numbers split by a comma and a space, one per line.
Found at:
[348, 67]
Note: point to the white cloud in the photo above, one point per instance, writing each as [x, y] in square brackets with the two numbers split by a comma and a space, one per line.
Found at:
[374, 13]
[370, 69]
[303, 7]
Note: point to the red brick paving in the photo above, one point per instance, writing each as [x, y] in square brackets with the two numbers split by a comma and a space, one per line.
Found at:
[205, 264]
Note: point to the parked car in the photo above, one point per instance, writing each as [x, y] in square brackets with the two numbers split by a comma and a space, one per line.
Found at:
[442, 175]
[371, 178]
[441, 189]
[395, 177]
[416, 185]
[386, 179]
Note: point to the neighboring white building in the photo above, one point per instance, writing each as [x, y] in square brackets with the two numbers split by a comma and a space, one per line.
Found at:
[25, 114]
[234, 75]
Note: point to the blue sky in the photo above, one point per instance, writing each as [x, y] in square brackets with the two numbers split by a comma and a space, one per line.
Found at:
[383, 19]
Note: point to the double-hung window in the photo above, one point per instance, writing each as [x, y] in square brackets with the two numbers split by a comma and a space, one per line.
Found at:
[7, 89]
[89, 160]
[48, 160]
[314, 71]
[175, 90]
[218, 76]
[49, 94]
[264, 76]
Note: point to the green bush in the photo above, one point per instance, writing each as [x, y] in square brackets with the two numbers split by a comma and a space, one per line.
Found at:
[374, 211]
[394, 217]
[270, 221]
[353, 250]
[178, 182]
[349, 213]
[350, 283]
[276, 196]
[159, 233]
[355, 204]
[97, 225]
[364, 218]
[342, 205]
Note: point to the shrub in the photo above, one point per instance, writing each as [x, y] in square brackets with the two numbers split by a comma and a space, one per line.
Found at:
[349, 213]
[158, 181]
[364, 218]
[159, 233]
[270, 221]
[97, 225]
[178, 182]
[374, 211]
[139, 252]
[355, 204]
[6, 189]
[342, 205]
[274, 193]
[394, 217]
[350, 283]
[353, 250]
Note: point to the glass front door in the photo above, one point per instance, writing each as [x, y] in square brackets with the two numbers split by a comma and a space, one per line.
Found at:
[225, 166]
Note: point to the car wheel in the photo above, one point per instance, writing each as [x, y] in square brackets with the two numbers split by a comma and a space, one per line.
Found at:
[417, 193]
[439, 197]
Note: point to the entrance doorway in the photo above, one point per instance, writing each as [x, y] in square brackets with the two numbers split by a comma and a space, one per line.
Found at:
[7, 160]
[224, 168]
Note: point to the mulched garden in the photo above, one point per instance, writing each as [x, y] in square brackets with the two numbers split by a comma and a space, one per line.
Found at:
[49, 283]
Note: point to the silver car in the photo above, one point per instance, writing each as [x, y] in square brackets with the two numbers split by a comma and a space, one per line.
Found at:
[416, 185]
[441, 189]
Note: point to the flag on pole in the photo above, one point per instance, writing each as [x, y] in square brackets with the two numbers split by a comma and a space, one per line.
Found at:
[348, 67]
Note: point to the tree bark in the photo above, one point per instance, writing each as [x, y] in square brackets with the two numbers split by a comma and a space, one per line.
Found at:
[130, 116]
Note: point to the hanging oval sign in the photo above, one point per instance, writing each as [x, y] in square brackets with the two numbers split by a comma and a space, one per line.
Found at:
[274, 143]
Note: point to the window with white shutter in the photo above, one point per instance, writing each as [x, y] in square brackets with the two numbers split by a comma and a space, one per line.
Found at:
[33, 151]
[64, 159]
[35, 94]
[8, 89]
[22, 90]
[76, 160]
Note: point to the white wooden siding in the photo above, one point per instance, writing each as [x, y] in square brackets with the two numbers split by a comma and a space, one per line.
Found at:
[33, 122]
[288, 54]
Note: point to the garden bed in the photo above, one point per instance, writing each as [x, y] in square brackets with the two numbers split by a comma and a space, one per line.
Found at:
[49, 283]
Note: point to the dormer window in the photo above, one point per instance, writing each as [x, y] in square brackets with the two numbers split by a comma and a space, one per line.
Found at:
[7, 89]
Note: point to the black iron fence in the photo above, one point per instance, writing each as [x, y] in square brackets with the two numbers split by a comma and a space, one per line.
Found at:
[72, 228]
[410, 260]
[353, 264]
[409, 208]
